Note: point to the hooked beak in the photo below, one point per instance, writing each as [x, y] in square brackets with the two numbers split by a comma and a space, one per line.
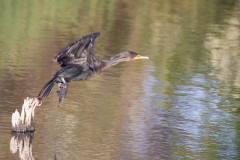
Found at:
[141, 57]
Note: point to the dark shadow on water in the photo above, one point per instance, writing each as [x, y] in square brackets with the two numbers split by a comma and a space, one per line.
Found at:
[55, 157]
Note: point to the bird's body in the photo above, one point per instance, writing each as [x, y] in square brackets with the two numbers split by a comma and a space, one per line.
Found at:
[78, 62]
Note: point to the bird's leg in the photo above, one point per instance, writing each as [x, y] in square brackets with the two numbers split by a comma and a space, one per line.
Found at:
[63, 80]
[59, 85]
[62, 90]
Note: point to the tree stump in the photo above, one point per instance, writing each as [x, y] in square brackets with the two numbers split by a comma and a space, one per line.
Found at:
[24, 122]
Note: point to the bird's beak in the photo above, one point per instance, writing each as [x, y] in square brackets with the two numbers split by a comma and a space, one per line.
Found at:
[141, 57]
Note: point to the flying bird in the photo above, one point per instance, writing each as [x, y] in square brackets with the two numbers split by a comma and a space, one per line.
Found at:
[78, 62]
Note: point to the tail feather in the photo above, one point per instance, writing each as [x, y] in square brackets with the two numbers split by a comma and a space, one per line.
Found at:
[46, 89]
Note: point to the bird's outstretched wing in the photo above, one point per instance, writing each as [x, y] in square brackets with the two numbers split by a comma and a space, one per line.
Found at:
[80, 52]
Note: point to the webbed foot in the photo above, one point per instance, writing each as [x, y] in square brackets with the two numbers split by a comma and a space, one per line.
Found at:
[62, 91]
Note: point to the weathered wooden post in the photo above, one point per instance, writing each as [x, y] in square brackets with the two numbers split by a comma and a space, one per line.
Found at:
[24, 122]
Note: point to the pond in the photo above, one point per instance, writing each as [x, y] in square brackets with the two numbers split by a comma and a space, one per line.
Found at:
[183, 103]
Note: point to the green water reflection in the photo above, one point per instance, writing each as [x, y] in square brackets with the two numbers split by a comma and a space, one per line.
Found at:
[182, 104]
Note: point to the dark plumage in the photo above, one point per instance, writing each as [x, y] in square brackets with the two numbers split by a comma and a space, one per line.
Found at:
[78, 62]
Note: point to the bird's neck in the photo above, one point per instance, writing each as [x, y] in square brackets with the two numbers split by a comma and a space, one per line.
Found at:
[111, 62]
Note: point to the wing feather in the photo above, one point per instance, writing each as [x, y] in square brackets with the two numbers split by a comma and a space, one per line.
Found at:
[80, 52]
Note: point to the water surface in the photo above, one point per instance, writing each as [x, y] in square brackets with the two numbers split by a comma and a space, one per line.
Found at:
[181, 104]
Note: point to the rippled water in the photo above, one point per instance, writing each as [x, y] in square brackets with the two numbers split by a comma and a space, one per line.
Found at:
[181, 104]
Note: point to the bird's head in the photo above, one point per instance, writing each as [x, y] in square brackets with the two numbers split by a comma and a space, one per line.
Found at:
[127, 56]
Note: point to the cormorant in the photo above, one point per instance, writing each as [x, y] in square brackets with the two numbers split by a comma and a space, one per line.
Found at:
[78, 62]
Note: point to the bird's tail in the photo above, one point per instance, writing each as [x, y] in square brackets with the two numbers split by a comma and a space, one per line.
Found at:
[46, 89]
